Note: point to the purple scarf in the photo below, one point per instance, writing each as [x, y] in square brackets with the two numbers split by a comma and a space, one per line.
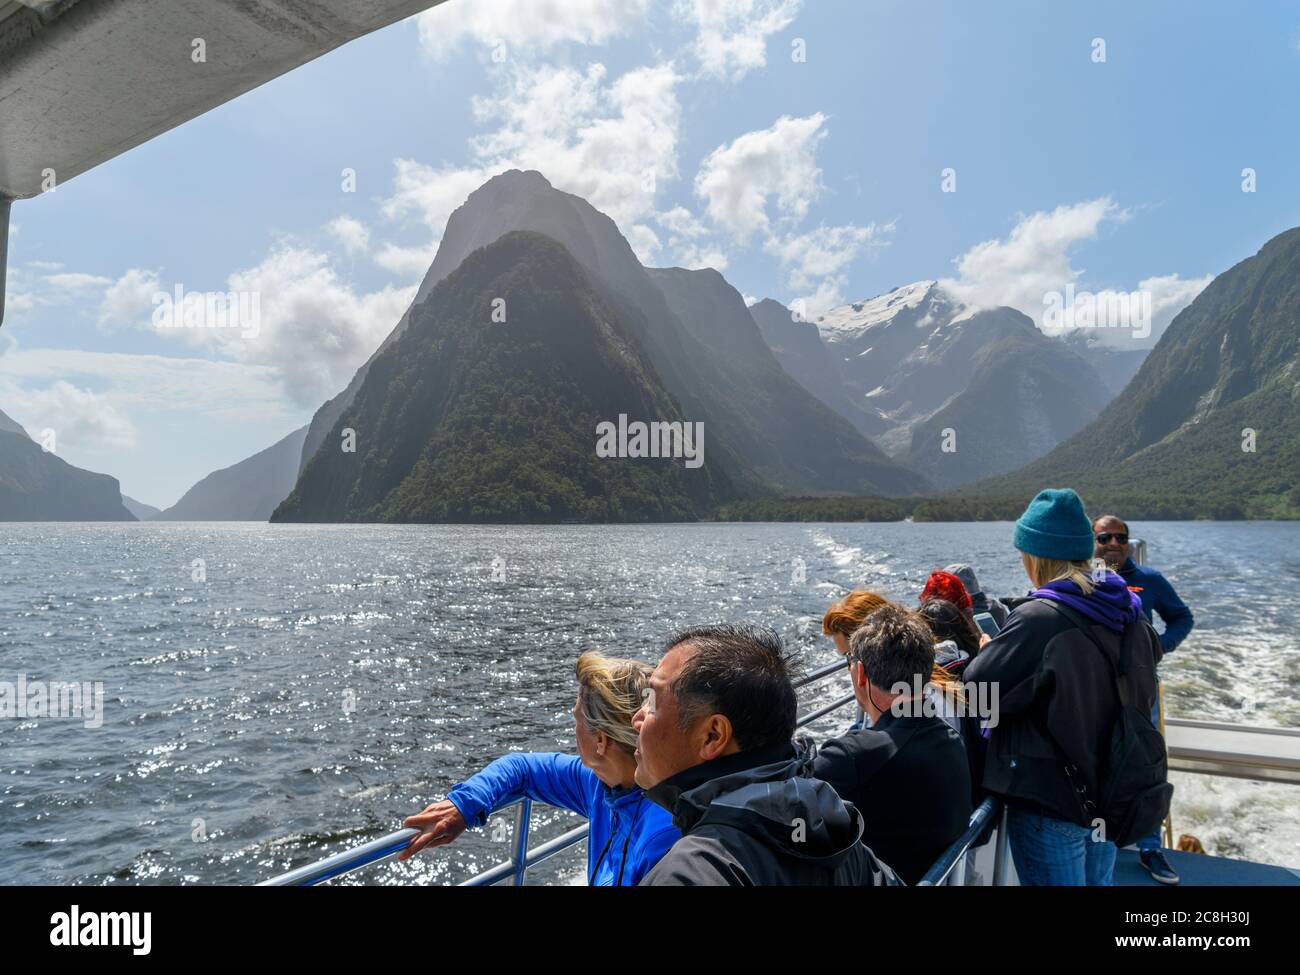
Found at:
[1111, 604]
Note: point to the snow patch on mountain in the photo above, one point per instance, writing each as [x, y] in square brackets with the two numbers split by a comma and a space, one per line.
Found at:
[921, 305]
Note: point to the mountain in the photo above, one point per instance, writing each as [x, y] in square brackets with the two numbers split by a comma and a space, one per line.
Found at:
[1115, 365]
[904, 354]
[1171, 444]
[1027, 393]
[142, 511]
[514, 200]
[247, 491]
[36, 485]
[870, 339]
[920, 362]
[799, 348]
[750, 436]
[785, 433]
[8, 425]
[465, 419]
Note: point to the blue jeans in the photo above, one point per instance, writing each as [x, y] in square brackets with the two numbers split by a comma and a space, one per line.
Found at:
[1153, 842]
[1053, 853]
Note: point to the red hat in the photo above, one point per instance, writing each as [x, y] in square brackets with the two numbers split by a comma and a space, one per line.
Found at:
[945, 585]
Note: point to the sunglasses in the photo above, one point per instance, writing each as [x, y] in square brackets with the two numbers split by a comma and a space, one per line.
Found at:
[1105, 537]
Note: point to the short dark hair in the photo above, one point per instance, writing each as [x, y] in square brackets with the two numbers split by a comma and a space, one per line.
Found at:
[742, 672]
[894, 645]
[1111, 518]
[948, 622]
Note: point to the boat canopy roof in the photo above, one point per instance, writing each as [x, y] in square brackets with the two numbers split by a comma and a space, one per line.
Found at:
[84, 80]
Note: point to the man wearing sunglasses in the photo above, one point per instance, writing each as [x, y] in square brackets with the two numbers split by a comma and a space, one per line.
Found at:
[1111, 539]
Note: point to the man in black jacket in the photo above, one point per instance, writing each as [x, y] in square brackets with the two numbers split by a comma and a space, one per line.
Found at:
[715, 750]
[908, 773]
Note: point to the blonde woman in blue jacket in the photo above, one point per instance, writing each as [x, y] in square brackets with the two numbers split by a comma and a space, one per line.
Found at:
[629, 833]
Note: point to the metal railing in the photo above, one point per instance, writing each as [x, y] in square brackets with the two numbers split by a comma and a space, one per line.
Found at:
[950, 868]
[522, 859]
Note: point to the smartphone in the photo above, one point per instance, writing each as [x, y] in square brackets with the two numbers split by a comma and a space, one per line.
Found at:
[987, 623]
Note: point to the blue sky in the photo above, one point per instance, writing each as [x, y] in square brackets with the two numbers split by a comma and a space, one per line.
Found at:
[697, 127]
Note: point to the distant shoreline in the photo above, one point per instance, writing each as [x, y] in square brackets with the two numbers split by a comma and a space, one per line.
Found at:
[1135, 506]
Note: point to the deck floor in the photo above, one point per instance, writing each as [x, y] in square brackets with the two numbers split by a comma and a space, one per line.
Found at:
[1199, 870]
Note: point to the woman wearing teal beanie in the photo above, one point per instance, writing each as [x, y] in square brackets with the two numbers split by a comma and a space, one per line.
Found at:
[1056, 696]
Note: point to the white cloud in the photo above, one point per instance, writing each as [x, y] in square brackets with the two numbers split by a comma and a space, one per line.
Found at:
[613, 144]
[526, 25]
[818, 261]
[643, 241]
[680, 222]
[732, 34]
[408, 262]
[78, 417]
[686, 243]
[1103, 312]
[19, 301]
[432, 194]
[314, 330]
[351, 233]
[150, 383]
[1170, 294]
[779, 163]
[1034, 262]
[46, 265]
[697, 256]
[76, 279]
[129, 300]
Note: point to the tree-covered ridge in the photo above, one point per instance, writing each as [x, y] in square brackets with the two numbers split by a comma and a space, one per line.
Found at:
[469, 419]
[1211, 421]
[1136, 505]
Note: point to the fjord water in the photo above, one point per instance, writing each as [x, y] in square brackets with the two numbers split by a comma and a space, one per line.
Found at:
[325, 681]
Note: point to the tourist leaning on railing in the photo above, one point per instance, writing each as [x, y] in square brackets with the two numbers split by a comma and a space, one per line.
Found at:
[1058, 706]
[629, 833]
[908, 772]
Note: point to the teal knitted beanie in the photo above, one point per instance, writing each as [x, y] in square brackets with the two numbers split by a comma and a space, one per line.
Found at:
[1054, 526]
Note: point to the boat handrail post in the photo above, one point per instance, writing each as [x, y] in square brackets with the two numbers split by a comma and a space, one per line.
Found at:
[519, 860]
[1000, 851]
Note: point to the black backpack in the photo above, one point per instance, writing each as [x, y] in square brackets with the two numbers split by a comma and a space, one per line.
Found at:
[1134, 775]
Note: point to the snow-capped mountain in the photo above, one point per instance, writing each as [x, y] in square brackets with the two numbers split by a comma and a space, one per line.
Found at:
[911, 359]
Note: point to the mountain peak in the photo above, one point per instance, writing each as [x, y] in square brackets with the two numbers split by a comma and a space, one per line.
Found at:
[920, 303]
[518, 180]
[9, 425]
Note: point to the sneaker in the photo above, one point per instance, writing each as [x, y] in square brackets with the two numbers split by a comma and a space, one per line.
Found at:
[1158, 866]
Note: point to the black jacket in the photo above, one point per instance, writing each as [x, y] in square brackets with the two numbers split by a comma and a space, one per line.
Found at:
[910, 779]
[1057, 704]
[757, 819]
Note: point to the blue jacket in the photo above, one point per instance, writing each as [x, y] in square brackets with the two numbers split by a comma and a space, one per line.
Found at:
[629, 833]
[1157, 594]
